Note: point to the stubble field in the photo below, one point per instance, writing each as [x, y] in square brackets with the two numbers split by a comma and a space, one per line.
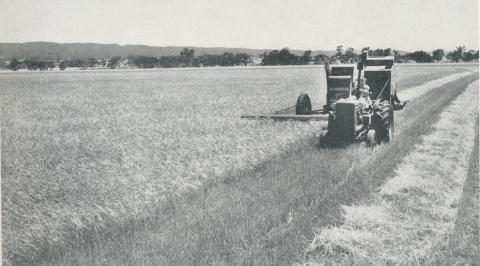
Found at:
[86, 151]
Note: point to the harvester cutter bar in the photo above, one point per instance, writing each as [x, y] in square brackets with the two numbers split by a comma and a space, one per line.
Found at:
[313, 117]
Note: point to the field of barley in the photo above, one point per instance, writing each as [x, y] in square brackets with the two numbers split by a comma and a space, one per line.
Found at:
[86, 152]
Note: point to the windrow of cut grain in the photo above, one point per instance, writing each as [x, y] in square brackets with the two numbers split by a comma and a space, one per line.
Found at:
[412, 93]
[416, 208]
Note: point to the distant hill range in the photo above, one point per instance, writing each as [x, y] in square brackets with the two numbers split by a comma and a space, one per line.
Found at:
[52, 50]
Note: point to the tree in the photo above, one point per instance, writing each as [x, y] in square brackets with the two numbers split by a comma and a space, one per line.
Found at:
[76, 63]
[438, 54]
[457, 54]
[321, 59]
[50, 65]
[35, 64]
[112, 63]
[306, 58]
[347, 56]
[14, 64]
[186, 56]
[166, 61]
[62, 65]
[151, 62]
[30, 64]
[91, 62]
[270, 58]
[350, 56]
[471, 55]
[209, 60]
[242, 59]
[282, 57]
[287, 58]
[421, 57]
[396, 55]
[339, 53]
[228, 59]
[339, 50]
[379, 52]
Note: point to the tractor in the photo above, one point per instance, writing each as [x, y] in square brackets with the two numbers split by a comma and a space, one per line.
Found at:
[351, 117]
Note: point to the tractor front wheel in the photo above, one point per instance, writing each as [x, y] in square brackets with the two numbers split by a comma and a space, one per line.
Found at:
[371, 138]
[323, 139]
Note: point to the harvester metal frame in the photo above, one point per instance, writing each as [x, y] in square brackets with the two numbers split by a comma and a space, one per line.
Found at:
[348, 120]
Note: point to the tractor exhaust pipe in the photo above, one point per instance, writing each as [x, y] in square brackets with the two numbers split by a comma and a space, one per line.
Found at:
[360, 66]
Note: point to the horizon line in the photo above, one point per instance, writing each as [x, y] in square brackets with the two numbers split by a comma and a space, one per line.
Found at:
[238, 47]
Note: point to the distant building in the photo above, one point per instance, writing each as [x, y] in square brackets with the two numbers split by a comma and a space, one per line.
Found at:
[444, 60]
[256, 61]
[124, 63]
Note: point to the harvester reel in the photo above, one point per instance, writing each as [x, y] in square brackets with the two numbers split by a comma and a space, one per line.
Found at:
[304, 105]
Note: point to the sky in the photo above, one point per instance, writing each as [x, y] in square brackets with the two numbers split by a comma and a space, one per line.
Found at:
[265, 24]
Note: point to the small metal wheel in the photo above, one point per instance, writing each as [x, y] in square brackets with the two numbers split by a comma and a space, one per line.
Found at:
[304, 106]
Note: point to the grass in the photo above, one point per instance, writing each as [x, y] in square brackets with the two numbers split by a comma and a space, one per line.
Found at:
[416, 209]
[462, 246]
[264, 215]
[84, 152]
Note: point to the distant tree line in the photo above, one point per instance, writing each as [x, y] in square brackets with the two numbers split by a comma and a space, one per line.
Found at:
[459, 54]
[349, 56]
[187, 58]
[285, 57]
[30, 64]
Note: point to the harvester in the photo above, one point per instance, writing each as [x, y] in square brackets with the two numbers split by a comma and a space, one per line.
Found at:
[351, 117]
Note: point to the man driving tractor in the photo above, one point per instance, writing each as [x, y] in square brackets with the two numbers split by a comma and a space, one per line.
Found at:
[364, 91]
[365, 94]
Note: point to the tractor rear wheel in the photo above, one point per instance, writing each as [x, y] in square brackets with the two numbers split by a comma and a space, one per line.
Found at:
[304, 106]
[383, 122]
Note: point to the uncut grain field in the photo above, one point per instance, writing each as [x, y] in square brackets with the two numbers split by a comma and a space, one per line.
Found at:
[89, 156]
